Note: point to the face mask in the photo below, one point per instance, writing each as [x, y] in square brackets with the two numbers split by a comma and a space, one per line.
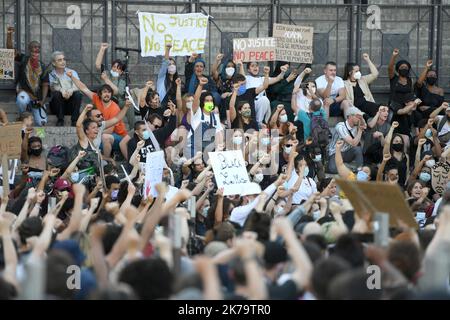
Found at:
[287, 150]
[36, 152]
[189, 104]
[316, 215]
[318, 158]
[428, 133]
[431, 81]
[146, 135]
[74, 177]
[425, 176]
[258, 177]
[114, 74]
[265, 141]
[237, 140]
[430, 163]
[229, 71]
[172, 69]
[283, 118]
[242, 90]
[397, 147]
[403, 72]
[114, 194]
[362, 176]
[246, 113]
[306, 172]
[208, 106]
[205, 211]
[357, 75]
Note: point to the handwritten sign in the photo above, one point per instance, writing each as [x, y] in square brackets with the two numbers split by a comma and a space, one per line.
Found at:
[186, 33]
[231, 174]
[294, 43]
[7, 64]
[10, 140]
[153, 172]
[254, 49]
[440, 176]
[378, 197]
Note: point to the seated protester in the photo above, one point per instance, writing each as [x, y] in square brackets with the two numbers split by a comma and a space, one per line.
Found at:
[193, 167]
[388, 173]
[194, 71]
[282, 90]
[262, 102]
[102, 101]
[357, 86]
[116, 78]
[423, 170]
[241, 117]
[394, 145]
[363, 173]
[403, 102]
[306, 117]
[418, 198]
[431, 143]
[165, 85]
[331, 89]
[303, 93]
[431, 95]
[33, 157]
[288, 145]
[350, 131]
[205, 122]
[149, 101]
[154, 134]
[442, 123]
[249, 95]
[315, 159]
[65, 97]
[32, 80]
[328, 189]
[279, 121]
[374, 137]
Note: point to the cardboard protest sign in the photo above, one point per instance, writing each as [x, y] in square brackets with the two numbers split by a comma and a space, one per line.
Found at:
[440, 176]
[378, 197]
[294, 43]
[11, 140]
[7, 64]
[186, 33]
[231, 173]
[254, 49]
[154, 166]
[12, 165]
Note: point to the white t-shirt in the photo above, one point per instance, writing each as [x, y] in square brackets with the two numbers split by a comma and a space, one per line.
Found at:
[338, 84]
[307, 188]
[254, 82]
[342, 130]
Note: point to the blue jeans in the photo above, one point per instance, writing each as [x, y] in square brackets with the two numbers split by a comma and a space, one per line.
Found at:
[24, 102]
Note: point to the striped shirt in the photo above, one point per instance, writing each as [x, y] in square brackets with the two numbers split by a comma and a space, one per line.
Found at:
[342, 130]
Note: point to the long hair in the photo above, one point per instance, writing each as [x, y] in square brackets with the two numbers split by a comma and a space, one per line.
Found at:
[348, 69]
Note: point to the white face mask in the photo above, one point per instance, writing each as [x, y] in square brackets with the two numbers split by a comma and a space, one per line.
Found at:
[189, 104]
[172, 69]
[430, 163]
[318, 158]
[230, 71]
[357, 75]
[283, 118]
[237, 140]
[258, 177]
[114, 74]
[287, 150]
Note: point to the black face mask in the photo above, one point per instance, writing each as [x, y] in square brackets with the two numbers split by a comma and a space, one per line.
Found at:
[397, 147]
[36, 152]
[431, 81]
[403, 72]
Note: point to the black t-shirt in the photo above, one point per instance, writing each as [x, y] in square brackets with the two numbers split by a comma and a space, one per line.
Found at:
[282, 167]
[251, 125]
[147, 111]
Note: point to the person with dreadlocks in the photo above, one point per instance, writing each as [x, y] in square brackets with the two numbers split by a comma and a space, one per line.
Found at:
[32, 80]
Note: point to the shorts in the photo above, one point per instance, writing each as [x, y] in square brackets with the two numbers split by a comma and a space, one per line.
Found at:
[335, 110]
[117, 140]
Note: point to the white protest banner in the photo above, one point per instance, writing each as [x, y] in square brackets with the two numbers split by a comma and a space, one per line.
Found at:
[12, 165]
[186, 32]
[254, 49]
[154, 166]
[7, 64]
[294, 43]
[231, 174]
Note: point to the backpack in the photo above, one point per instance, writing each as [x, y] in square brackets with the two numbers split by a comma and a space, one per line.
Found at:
[58, 156]
[320, 131]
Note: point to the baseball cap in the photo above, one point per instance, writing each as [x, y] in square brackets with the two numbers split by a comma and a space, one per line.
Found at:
[62, 184]
[354, 111]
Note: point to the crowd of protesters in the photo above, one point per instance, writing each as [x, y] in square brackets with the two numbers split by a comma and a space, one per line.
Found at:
[300, 238]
